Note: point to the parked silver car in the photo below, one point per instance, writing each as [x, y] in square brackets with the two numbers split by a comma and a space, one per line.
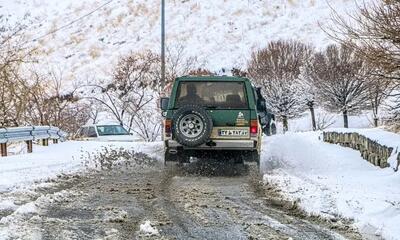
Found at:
[104, 132]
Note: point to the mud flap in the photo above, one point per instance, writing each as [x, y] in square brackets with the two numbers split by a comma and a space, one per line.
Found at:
[169, 157]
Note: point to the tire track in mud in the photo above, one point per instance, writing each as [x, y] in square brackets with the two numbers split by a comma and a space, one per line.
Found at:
[236, 196]
[196, 201]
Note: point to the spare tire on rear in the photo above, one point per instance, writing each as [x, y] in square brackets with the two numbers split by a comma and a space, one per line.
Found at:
[192, 125]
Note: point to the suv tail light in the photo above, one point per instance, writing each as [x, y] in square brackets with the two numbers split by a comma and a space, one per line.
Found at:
[253, 128]
[168, 127]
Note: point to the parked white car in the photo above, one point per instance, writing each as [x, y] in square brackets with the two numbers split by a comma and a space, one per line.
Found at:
[104, 132]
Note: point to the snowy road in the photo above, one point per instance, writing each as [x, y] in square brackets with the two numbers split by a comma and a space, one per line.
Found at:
[196, 201]
[60, 192]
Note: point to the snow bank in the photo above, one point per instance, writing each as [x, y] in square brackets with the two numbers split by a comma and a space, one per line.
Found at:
[333, 181]
[48, 162]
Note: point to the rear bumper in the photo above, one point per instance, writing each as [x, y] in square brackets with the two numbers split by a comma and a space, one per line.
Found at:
[217, 145]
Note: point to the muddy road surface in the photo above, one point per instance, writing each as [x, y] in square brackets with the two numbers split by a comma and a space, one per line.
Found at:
[200, 200]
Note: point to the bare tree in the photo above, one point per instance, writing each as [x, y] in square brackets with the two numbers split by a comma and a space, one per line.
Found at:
[308, 92]
[51, 103]
[12, 51]
[336, 77]
[13, 97]
[277, 69]
[373, 31]
[178, 63]
[13, 55]
[378, 88]
[29, 96]
[128, 91]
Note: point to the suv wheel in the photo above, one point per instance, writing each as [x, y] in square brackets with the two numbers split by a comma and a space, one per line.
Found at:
[192, 125]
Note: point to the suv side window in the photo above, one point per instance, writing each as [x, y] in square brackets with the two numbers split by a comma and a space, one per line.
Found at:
[92, 132]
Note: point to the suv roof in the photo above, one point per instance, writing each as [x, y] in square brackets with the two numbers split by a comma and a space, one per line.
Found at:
[211, 78]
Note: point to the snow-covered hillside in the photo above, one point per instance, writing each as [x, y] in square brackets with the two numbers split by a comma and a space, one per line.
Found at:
[220, 33]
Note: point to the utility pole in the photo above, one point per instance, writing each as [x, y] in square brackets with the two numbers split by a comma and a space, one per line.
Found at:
[162, 84]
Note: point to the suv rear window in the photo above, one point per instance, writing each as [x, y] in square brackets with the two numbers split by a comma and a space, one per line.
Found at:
[222, 95]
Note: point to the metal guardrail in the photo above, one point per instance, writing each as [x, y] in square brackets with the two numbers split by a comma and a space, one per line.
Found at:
[28, 135]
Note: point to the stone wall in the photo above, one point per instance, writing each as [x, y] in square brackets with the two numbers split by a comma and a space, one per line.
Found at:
[370, 150]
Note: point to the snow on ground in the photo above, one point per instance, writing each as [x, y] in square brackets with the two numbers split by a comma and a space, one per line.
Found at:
[48, 162]
[334, 181]
[325, 179]
[325, 119]
[21, 174]
[147, 229]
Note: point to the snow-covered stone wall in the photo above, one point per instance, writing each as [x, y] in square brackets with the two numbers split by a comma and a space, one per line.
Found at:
[370, 149]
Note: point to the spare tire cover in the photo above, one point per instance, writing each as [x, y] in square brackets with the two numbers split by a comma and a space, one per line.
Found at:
[192, 125]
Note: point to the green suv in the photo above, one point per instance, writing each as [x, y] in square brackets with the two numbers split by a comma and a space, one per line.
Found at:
[209, 115]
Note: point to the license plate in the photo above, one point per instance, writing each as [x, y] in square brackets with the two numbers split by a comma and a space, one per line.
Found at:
[233, 133]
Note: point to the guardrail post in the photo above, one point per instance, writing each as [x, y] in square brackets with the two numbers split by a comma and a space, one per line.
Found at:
[3, 148]
[45, 142]
[55, 141]
[30, 146]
